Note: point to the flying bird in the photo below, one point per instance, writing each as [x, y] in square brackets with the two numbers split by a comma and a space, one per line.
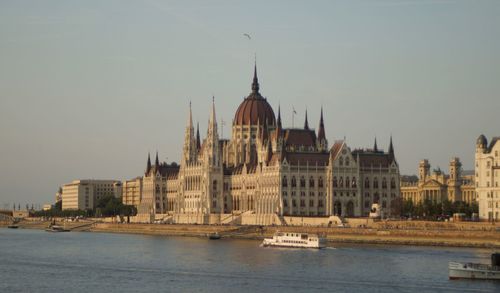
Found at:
[248, 36]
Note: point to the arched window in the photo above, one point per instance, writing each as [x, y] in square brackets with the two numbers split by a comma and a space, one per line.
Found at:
[320, 182]
[341, 161]
[334, 181]
[367, 183]
[347, 182]
[294, 182]
[393, 183]
[284, 183]
[347, 161]
[375, 182]
[214, 185]
[384, 183]
[302, 182]
[353, 184]
[311, 182]
[341, 181]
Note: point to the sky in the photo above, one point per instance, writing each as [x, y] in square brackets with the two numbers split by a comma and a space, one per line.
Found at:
[88, 88]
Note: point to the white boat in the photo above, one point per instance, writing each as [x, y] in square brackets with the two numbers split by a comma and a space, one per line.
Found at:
[293, 239]
[56, 228]
[475, 270]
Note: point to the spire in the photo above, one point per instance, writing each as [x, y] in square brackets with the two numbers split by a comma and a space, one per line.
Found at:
[279, 116]
[212, 141]
[189, 149]
[278, 125]
[190, 117]
[198, 141]
[157, 162]
[321, 130]
[269, 152]
[265, 133]
[306, 123]
[255, 84]
[375, 148]
[212, 114]
[391, 147]
[148, 166]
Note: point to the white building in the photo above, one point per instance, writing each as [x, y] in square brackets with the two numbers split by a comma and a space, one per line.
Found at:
[487, 178]
[85, 194]
[267, 170]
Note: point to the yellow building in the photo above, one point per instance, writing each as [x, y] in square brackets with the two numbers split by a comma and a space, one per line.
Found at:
[437, 186]
[84, 194]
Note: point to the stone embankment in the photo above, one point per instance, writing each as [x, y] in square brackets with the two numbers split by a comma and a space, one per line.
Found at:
[429, 235]
[481, 235]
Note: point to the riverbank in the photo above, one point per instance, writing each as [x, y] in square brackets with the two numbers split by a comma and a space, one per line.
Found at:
[417, 237]
[424, 234]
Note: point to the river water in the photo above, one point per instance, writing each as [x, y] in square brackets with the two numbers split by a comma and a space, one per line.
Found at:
[37, 261]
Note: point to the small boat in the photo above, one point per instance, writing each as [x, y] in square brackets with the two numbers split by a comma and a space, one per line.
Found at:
[297, 240]
[491, 271]
[214, 236]
[13, 226]
[56, 228]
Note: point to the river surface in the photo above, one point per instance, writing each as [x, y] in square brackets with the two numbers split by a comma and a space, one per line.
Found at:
[38, 261]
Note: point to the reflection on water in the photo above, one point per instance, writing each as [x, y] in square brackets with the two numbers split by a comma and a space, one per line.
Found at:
[36, 261]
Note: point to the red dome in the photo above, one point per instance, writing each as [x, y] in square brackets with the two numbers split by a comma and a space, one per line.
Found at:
[254, 109]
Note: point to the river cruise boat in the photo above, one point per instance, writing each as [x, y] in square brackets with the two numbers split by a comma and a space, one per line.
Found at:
[475, 270]
[297, 240]
[56, 228]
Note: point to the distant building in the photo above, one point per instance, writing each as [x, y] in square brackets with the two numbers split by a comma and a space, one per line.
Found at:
[266, 170]
[487, 178]
[21, 214]
[47, 207]
[132, 191]
[85, 194]
[437, 186]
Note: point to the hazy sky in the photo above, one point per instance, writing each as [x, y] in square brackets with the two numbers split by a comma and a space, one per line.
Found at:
[87, 88]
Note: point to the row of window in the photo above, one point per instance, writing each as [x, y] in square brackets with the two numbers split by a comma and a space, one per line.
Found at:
[303, 203]
[348, 183]
[302, 193]
[293, 182]
[384, 183]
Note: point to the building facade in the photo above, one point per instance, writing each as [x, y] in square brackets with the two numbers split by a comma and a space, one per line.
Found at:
[266, 169]
[84, 194]
[132, 191]
[437, 186]
[487, 177]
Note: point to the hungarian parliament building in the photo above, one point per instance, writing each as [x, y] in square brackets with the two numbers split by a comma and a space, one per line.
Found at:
[264, 169]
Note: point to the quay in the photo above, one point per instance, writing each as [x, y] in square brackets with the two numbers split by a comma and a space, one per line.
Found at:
[414, 233]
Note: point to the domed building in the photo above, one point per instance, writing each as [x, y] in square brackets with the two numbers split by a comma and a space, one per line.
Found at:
[265, 172]
[487, 170]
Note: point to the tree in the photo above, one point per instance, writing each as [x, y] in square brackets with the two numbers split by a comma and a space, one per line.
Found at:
[397, 207]
[109, 206]
[408, 208]
[58, 206]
